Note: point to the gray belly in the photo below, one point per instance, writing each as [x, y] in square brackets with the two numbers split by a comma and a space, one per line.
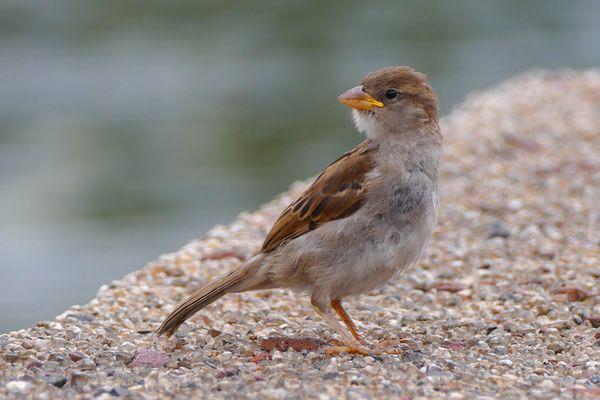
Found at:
[392, 247]
[359, 253]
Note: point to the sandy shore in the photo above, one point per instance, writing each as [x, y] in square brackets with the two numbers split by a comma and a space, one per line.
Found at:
[506, 303]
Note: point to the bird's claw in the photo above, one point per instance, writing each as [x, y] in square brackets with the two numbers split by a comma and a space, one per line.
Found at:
[335, 350]
[387, 347]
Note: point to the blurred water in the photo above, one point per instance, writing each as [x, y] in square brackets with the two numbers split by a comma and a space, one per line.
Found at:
[128, 128]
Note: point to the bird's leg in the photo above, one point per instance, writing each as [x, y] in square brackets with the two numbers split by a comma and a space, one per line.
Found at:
[324, 309]
[336, 304]
[326, 312]
[380, 348]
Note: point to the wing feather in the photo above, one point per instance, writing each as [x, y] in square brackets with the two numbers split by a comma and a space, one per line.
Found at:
[337, 193]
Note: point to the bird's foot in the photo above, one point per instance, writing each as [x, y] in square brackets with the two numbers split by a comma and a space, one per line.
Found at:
[335, 350]
[346, 347]
[389, 347]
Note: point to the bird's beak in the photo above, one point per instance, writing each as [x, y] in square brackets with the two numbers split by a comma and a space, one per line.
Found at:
[358, 99]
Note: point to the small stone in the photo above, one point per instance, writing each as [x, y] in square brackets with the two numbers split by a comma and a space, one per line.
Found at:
[226, 373]
[214, 332]
[448, 286]
[118, 391]
[330, 375]
[126, 358]
[150, 359]
[56, 326]
[76, 356]
[546, 250]
[19, 387]
[297, 344]
[274, 394]
[557, 346]
[34, 364]
[11, 357]
[456, 346]
[532, 232]
[434, 370]
[81, 317]
[79, 378]
[506, 362]
[595, 321]
[58, 381]
[127, 323]
[75, 329]
[548, 384]
[51, 365]
[56, 357]
[87, 364]
[414, 357]
[260, 357]
[491, 328]
[595, 380]
[127, 347]
[573, 293]
[498, 229]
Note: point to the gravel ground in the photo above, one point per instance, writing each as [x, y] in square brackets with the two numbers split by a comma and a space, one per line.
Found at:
[506, 303]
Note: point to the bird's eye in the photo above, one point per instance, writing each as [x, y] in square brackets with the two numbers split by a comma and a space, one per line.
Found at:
[391, 94]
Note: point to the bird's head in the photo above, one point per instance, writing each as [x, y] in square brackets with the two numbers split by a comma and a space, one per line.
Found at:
[392, 101]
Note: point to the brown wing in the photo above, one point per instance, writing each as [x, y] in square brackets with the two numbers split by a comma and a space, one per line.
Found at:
[337, 193]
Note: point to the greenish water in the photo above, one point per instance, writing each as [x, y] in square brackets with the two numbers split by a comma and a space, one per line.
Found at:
[128, 128]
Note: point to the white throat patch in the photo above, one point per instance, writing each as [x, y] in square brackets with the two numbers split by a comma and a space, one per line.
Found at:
[366, 124]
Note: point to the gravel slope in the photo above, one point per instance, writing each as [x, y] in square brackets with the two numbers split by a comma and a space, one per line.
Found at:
[505, 304]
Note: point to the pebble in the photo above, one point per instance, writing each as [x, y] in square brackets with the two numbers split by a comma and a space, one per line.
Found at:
[434, 370]
[76, 356]
[498, 229]
[78, 378]
[19, 387]
[58, 381]
[86, 364]
[127, 347]
[274, 394]
[11, 357]
[506, 362]
[548, 384]
[150, 358]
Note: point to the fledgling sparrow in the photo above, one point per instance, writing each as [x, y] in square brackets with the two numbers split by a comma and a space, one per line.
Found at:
[367, 217]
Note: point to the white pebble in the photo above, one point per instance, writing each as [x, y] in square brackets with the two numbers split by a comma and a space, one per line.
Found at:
[19, 387]
[506, 362]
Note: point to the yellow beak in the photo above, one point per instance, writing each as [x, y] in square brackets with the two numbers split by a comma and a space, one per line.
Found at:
[358, 99]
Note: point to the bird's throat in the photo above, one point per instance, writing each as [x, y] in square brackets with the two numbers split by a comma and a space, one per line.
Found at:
[366, 123]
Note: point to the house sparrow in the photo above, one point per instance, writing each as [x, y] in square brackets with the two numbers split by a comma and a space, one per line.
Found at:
[367, 217]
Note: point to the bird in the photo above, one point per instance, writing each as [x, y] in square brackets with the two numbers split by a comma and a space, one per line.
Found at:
[367, 216]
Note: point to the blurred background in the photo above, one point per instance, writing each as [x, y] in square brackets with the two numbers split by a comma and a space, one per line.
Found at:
[128, 128]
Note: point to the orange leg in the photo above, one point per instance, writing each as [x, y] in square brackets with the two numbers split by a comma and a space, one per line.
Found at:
[358, 348]
[337, 306]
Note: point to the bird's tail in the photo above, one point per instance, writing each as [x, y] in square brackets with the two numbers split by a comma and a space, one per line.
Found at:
[241, 279]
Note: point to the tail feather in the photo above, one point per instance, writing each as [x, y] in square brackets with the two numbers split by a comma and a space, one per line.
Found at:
[201, 298]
